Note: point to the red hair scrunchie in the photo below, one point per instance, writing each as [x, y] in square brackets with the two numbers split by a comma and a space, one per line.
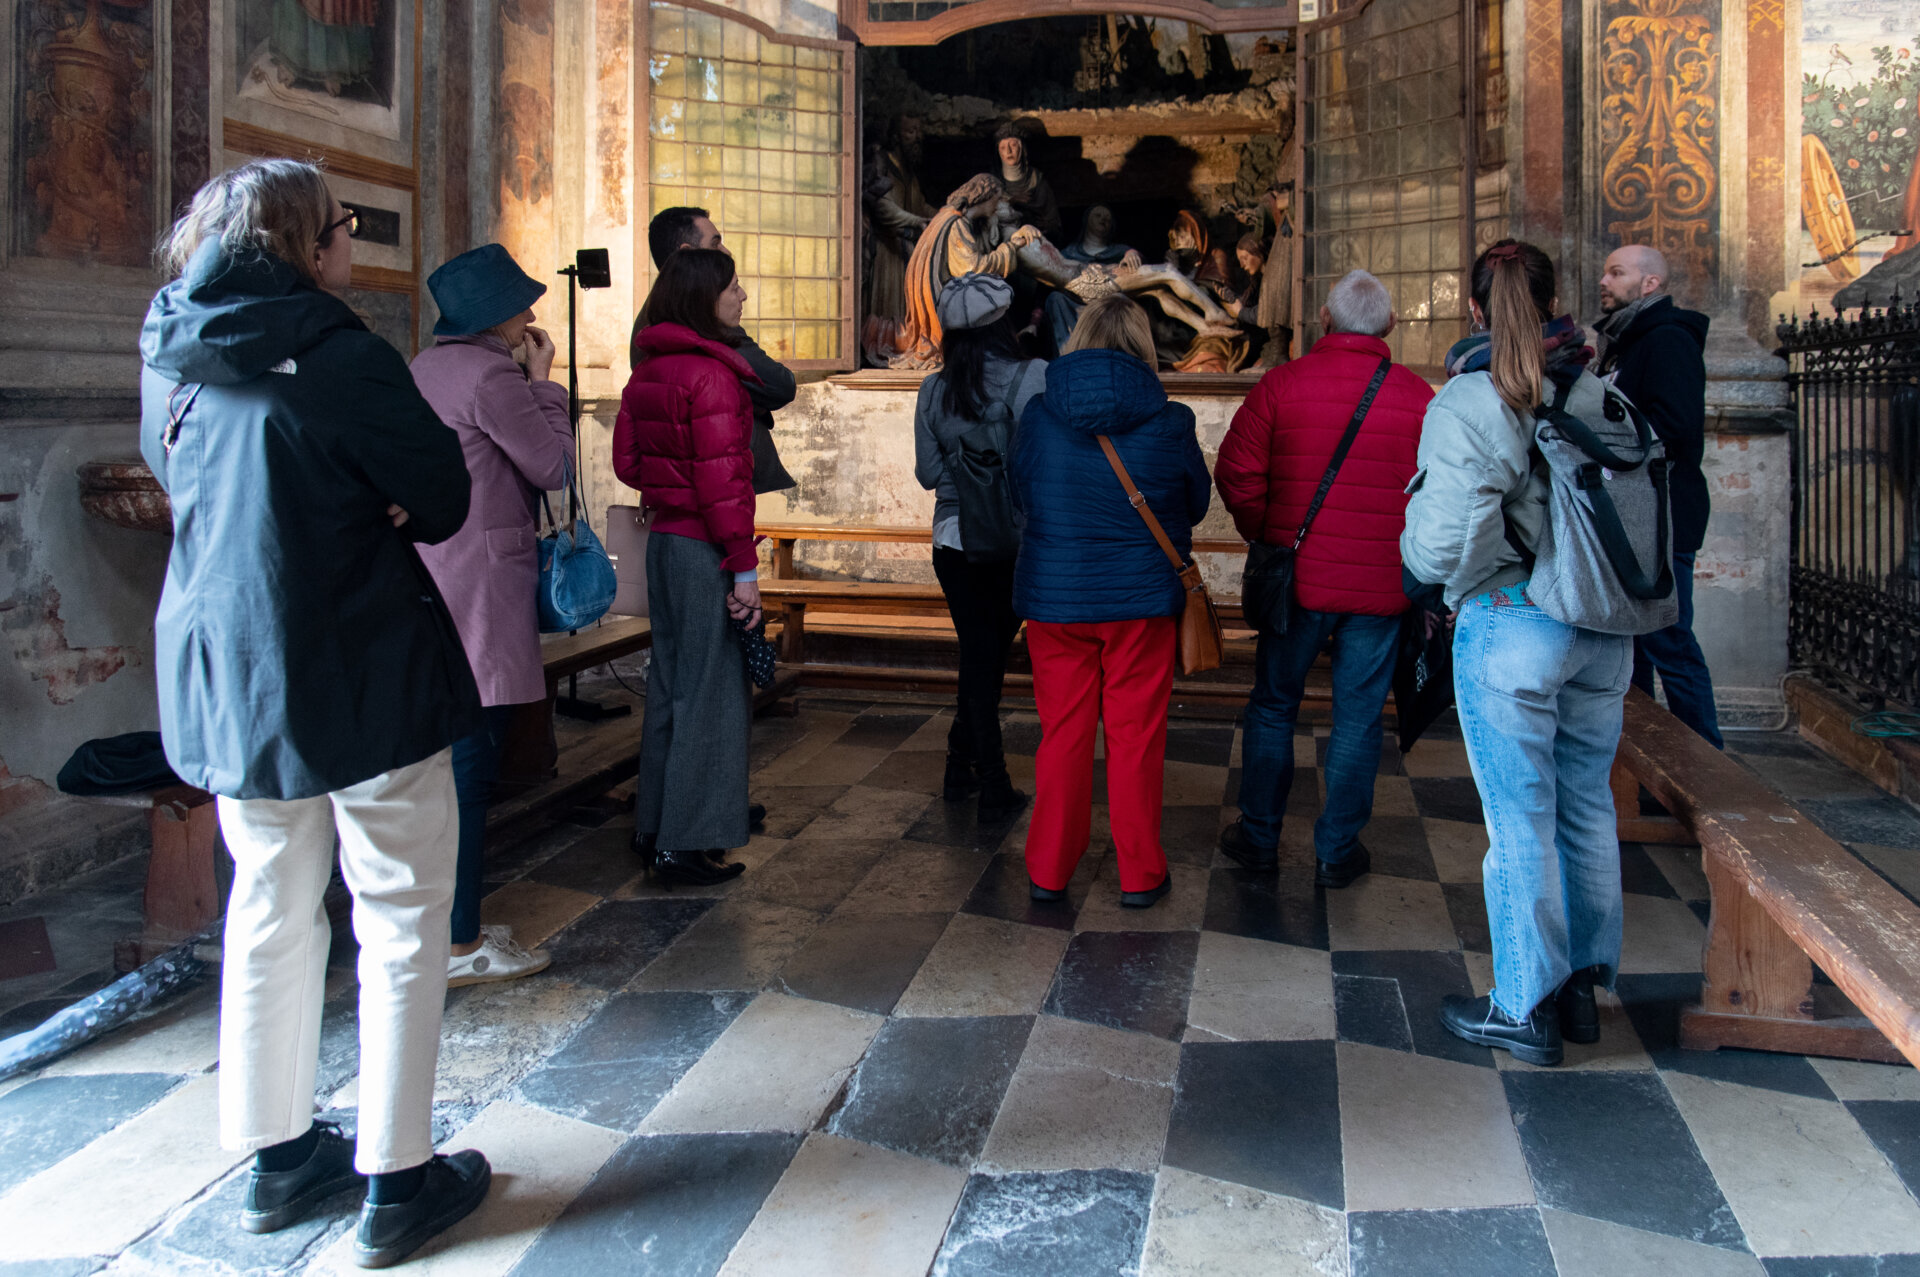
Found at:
[1504, 253]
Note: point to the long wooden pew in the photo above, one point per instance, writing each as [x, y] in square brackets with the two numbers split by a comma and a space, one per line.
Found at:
[1784, 896]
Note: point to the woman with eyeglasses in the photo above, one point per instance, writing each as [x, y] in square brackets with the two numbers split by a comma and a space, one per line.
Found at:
[311, 677]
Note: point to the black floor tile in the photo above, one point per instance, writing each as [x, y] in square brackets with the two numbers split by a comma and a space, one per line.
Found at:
[663, 1204]
[1640, 875]
[1189, 835]
[1060, 1223]
[50, 1117]
[207, 1237]
[1613, 1146]
[931, 1087]
[882, 729]
[774, 735]
[598, 864]
[1398, 845]
[1653, 1004]
[1368, 1010]
[1424, 977]
[1448, 798]
[914, 771]
[1263, 1114]
[1210, 745]
[609, 943]
[864, 961]
[791, 808]
[1281, 906]
[1003, 892]
[1874, 820]
[1894, 1128]
[1138, 980]
[1771, 744]
[629, 1054]
[1845, 1266]
[1022, 738]
[1467, 907]
[814, 873]
[1508, 1241]
[960, 825]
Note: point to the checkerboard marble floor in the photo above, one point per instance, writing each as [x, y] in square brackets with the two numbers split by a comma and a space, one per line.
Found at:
[873, 1054]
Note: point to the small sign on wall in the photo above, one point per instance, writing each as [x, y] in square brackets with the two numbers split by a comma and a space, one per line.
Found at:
[1309, 10]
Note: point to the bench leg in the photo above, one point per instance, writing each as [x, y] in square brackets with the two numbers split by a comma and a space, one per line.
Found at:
[793, 634]
[1634, 827]
[181, 898]
[1758, 991]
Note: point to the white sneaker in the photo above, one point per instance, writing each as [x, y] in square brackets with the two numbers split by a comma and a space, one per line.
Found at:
[497, 958]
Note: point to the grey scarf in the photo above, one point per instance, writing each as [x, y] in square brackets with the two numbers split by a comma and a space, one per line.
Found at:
[1610, 328]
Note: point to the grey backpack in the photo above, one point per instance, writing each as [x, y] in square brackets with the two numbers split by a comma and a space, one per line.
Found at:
[1605, 557]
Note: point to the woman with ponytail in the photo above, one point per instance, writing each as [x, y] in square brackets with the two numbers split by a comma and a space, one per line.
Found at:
[1539, 700]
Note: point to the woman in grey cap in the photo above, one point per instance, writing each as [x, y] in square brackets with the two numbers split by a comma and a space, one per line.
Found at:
[979, 394]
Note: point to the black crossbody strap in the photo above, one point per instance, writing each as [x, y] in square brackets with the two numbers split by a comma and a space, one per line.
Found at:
[1340, 453]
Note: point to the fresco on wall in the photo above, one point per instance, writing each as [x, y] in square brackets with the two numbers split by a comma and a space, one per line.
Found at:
[83, 144]
[334, 60]
[1859, 136]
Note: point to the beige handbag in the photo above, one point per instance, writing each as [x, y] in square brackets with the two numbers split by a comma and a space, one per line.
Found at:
[627, 527]
[1200, 644]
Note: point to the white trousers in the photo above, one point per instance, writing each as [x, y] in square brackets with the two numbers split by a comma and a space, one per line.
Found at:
[399, 842]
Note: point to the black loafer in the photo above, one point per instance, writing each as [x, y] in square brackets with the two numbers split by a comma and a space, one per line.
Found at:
[1149, 898]
[1342, 873]
[1233, 842]
[279, 1199]
[454, 1186]
[756, 816]
[1576, 1009]
[1037, 892]
[1535, 1039]
[692, 868]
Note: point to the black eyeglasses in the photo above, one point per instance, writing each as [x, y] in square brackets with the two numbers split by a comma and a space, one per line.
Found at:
[351, 221]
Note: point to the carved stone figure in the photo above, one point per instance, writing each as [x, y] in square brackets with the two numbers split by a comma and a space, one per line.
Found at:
[896, 214]
[962, 238]
[1095, 246]
[1027, 189]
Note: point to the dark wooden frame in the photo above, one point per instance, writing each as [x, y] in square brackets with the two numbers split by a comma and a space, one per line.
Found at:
[985, 13]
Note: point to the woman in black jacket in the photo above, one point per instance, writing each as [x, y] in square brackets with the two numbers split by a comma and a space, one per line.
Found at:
[310, 676]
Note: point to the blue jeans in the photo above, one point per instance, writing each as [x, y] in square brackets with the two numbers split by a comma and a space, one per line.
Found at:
[1364, 648]
[1540, 706]
[476, 765]
[1683, 667]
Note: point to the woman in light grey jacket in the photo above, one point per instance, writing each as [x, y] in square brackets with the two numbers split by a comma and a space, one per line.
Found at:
[1539, 700]
[982, 371]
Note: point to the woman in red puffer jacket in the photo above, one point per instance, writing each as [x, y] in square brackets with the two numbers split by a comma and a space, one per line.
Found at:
[684, 439]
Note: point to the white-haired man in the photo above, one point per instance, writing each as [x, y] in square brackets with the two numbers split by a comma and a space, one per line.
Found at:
[1652, 350]
[1278, 454]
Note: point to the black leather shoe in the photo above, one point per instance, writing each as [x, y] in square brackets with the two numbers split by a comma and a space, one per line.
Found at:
[454, 1186]
[1047, 894]
[999, 800]
[1578, 1012]
[1233, 841]
[643, 845]
[1342, 873]
[692, 868]
[1535, 1039]
[1146, 899]
[960, 783]
[756, 817]
[278, 1199]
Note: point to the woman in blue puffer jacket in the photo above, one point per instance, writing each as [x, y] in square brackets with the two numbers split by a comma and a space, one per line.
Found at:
[1099, 597]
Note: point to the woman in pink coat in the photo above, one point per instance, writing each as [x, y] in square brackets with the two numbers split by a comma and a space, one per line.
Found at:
[684, 438]
[514, 430]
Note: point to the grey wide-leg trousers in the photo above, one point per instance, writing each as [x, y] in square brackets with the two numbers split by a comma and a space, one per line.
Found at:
[692, 794]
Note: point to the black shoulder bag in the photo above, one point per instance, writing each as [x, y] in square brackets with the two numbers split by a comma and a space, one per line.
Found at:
[1266, 586]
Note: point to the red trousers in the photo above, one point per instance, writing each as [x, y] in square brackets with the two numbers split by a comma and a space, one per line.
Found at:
[1113, 673]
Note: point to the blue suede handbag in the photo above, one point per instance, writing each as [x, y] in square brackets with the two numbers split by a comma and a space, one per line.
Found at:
[577, 581]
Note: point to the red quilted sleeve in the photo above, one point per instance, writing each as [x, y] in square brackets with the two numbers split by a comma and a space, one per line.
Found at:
[721, 432]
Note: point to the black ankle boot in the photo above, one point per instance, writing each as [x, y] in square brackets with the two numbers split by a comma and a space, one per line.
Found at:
[960, 783]
[1535, 1039]
[692, 868]
[1578, 1012]
[999, 800]
[643, 847]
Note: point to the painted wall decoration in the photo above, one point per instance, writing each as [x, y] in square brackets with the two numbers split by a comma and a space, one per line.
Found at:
[336, 60]
[1660, 133]
[83, 145]
[1859, 139]
[523, 136]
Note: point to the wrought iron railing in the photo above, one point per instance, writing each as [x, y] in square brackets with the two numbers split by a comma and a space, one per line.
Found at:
[1855, 603]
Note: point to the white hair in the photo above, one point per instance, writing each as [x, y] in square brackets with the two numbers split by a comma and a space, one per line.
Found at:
[1359, 303]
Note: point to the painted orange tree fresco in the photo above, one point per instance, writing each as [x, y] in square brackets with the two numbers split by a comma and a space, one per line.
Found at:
[1860, 138]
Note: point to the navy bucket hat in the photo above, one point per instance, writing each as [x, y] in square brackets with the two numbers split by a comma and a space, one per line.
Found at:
[481, 288]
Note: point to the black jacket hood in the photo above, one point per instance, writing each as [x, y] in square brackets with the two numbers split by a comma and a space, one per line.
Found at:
[228, 319]
[1663, 313]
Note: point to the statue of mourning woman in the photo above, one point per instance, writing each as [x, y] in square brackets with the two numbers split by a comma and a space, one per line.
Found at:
[1027, 191]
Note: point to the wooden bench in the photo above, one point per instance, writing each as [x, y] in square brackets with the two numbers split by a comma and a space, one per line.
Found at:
[608, 640]
[784, 536]
[1785, 896]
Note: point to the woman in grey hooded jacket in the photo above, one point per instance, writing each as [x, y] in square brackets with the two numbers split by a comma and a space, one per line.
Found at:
[1539, 700]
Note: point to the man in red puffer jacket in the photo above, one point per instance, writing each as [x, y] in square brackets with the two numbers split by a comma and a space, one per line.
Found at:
[1346, 576]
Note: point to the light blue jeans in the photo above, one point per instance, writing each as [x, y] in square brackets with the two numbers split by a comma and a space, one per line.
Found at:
[1540, 706]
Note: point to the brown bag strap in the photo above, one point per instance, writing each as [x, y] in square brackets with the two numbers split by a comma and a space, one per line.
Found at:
[1140, 504]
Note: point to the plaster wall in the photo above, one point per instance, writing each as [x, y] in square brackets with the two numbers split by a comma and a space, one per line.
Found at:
[1740, 577]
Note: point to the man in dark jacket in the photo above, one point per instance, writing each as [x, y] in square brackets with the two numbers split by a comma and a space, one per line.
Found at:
[674, 229]
[1347, 574]
[1652, 350]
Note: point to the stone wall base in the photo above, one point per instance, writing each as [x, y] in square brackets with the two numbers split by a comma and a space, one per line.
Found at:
[1826, 717]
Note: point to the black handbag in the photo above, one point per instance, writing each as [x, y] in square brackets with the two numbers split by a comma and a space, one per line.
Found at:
[1266, 585]
[1422, 675]
[977, 464]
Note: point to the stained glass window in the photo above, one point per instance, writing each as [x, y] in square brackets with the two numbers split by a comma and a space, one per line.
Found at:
[752, 129]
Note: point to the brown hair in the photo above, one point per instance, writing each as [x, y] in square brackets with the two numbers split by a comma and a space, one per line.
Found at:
[975, 190]
[1513, 283]
[275, 208]
[687, 291]
[1113, 322]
